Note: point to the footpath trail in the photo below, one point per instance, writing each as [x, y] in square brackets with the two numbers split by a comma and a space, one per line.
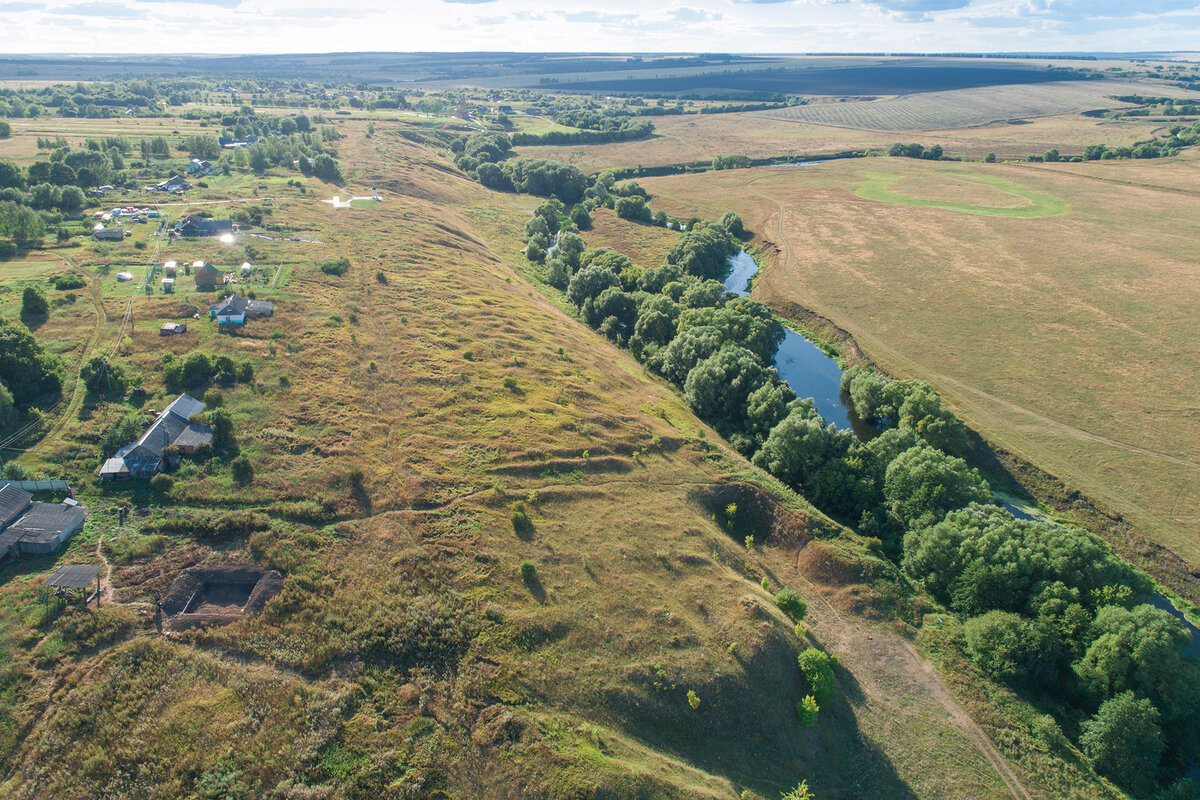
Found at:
[965, 393]
[67, 411]
[106, 588]
[876, 655]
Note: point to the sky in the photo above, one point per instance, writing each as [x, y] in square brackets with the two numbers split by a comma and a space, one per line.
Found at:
[727, 26]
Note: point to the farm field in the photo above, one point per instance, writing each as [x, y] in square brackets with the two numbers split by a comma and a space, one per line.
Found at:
[965, 108]
[875, 76]
[700, 139]
[1067, 337]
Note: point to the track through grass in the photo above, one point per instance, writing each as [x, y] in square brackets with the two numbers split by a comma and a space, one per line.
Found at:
[878, 187]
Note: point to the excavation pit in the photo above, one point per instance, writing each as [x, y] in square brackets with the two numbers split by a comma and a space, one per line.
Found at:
[218, 595]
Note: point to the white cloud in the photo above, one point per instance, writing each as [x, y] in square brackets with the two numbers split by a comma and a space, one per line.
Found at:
[735, 26]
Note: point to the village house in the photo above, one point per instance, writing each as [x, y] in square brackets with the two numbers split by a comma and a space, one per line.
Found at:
[195, 226]
[199, 168]
[146, 457]
[235, 310]
[208, 276]
[173, 185]
[29, 527]
[229, 142]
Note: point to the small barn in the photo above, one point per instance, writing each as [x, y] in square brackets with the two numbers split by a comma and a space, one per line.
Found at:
[108, 234]
[172, 329]
[168, 285]
[195, 226]
[29, 527]
[170, 268]
[46, 526]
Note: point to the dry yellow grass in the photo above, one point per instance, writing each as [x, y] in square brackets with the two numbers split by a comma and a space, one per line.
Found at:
[1069, 339]
[647, 245]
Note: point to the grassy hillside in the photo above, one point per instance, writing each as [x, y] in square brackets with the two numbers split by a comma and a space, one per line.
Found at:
[398, 418]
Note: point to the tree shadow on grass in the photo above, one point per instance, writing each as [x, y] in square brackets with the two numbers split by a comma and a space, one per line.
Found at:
[534, 584]
[746, 728]
[523, 527]
[34, 321]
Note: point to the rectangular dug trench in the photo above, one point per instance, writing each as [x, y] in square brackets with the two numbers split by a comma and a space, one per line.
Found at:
[205, 596]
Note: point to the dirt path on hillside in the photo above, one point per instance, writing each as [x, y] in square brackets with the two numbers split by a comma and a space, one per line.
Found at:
[106, 587]
[871, 653]
[920, 370]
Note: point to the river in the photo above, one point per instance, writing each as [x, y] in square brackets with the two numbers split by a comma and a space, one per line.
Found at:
[811, 373]
[801, 364]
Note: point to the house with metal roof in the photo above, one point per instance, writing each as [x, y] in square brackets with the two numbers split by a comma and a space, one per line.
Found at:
[235, 310]
[198, 167]
[145, 458]
[195, 226]
[29, 527]
[108, 234]
[208, 276]
[45, 526]
[13, 503]
[174, 185]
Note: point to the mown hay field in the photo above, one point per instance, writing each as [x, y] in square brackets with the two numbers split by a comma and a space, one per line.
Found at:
[1068, 338]
[965, 108]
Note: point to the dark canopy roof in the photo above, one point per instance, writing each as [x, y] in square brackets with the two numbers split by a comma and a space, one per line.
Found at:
[75, 576]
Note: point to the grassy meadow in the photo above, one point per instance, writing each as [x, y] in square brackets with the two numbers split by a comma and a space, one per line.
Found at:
[1052, 304]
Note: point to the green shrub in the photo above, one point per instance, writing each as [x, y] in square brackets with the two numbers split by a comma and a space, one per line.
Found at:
[15, 471]
[65, 282]
[818, 673]
[199, 524]
[339, 267]
[33, 303]
[162, 483]
[791, 604]
[521, 523]
[808, 710]
[242, 470]
[528, 571]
